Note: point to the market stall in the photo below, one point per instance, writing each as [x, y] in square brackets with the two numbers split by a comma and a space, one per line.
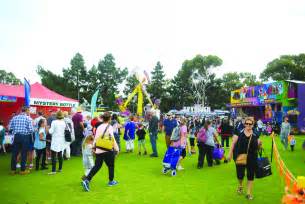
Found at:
[42, 99]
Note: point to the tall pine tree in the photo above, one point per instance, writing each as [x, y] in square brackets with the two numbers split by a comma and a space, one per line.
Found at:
[109, 77]
[156, 88]
[76, 77]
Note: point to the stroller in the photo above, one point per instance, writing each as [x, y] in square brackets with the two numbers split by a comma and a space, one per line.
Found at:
[170, 160]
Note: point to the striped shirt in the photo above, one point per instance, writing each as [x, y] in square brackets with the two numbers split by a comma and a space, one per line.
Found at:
[21, 124]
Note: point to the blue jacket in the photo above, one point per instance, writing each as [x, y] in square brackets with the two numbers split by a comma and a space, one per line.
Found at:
[169, 125]
[130, 129]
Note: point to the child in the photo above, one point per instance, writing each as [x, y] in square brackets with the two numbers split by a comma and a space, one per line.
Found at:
[192, 129]
[88, 153]
[40, 144]
[2, 137]
[269, 129]
[141, 138]
[292, 142]
[129, 135]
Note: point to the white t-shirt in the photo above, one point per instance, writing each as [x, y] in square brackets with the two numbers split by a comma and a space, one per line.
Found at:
[210, 136]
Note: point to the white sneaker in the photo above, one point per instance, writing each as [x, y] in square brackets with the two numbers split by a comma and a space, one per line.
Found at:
[180, 168]
[18, 166]
[31, 166]
[52, 173]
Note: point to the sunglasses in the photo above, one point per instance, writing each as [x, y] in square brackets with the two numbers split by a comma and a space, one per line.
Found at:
[248, 123]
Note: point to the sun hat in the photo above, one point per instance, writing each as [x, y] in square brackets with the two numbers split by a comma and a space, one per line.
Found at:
[59, 115]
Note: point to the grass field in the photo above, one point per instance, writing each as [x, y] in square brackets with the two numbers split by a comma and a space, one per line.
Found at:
[141, 181]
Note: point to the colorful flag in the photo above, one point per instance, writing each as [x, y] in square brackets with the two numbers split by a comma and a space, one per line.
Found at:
[27, 93]
[93, 102]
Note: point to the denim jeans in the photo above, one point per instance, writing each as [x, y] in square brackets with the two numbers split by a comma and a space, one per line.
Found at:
[21, 143]
[153, 138]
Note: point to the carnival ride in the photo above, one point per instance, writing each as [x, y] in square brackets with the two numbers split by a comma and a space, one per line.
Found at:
[140, 89]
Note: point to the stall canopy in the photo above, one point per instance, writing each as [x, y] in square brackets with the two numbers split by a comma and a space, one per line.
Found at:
[12, 99]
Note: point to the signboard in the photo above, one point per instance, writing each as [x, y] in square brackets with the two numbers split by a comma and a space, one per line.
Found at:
[257, 95]
[46, 102]
[8, 99]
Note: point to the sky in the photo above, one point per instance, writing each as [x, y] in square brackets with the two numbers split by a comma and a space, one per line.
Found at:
[245, 34]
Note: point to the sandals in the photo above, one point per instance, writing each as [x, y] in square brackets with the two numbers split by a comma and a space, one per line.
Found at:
[249, 197]
[240, 190]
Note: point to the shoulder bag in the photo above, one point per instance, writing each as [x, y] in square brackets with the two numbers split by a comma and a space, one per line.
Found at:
[242, 158]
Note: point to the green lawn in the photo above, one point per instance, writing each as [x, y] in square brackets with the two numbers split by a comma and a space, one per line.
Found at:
[141, 181]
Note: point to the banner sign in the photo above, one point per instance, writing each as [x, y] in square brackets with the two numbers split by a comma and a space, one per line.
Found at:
[8, 99]
[257, 95]
[46, 102]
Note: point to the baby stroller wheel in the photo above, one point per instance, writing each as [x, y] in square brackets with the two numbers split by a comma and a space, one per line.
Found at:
[164, 170]
[174, 173]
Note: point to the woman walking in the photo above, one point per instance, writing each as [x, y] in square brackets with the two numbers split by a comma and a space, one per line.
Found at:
[244, 151]
[58, 142]
[206, 145]
[285, 131]
[103, 154]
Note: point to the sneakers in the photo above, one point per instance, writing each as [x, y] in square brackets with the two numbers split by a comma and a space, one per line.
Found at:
[249, 197]
[85, 184]
[153, 155]
[52, 173]
[180, 168]
[18, 165]
[112, 183]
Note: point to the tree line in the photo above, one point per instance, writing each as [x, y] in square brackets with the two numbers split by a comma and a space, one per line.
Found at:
[195, 81]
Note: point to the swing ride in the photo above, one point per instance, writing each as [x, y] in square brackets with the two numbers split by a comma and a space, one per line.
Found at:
[140, 89]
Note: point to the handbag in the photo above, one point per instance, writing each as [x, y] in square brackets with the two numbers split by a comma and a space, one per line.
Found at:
[263, 168]
[68, 136]
[105, 142]
[242, 158]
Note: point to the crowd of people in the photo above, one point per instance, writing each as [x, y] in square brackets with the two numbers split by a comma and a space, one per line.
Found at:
[61, 135]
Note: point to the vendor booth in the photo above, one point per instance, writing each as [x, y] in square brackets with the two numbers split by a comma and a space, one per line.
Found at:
[271, 102]
[42, 99]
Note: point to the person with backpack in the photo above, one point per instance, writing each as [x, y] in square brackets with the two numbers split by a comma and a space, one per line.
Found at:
[207, 136]
[179, 140]
[105, 148]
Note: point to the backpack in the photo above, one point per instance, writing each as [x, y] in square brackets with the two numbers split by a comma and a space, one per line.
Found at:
[202, 135]
[175, 134]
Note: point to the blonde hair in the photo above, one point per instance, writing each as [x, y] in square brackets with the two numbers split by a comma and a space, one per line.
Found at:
[87, 140]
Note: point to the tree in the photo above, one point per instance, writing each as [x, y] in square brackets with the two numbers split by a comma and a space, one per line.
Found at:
[8, 78]
[76, 77]
[109, 77]
[200, 67]
[156, 87]
[54, 82]
[284, 68]
[249, 79]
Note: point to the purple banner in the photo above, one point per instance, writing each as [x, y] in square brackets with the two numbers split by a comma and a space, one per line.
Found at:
[301, 108]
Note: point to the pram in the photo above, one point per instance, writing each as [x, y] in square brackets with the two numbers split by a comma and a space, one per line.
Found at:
[171, 159]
